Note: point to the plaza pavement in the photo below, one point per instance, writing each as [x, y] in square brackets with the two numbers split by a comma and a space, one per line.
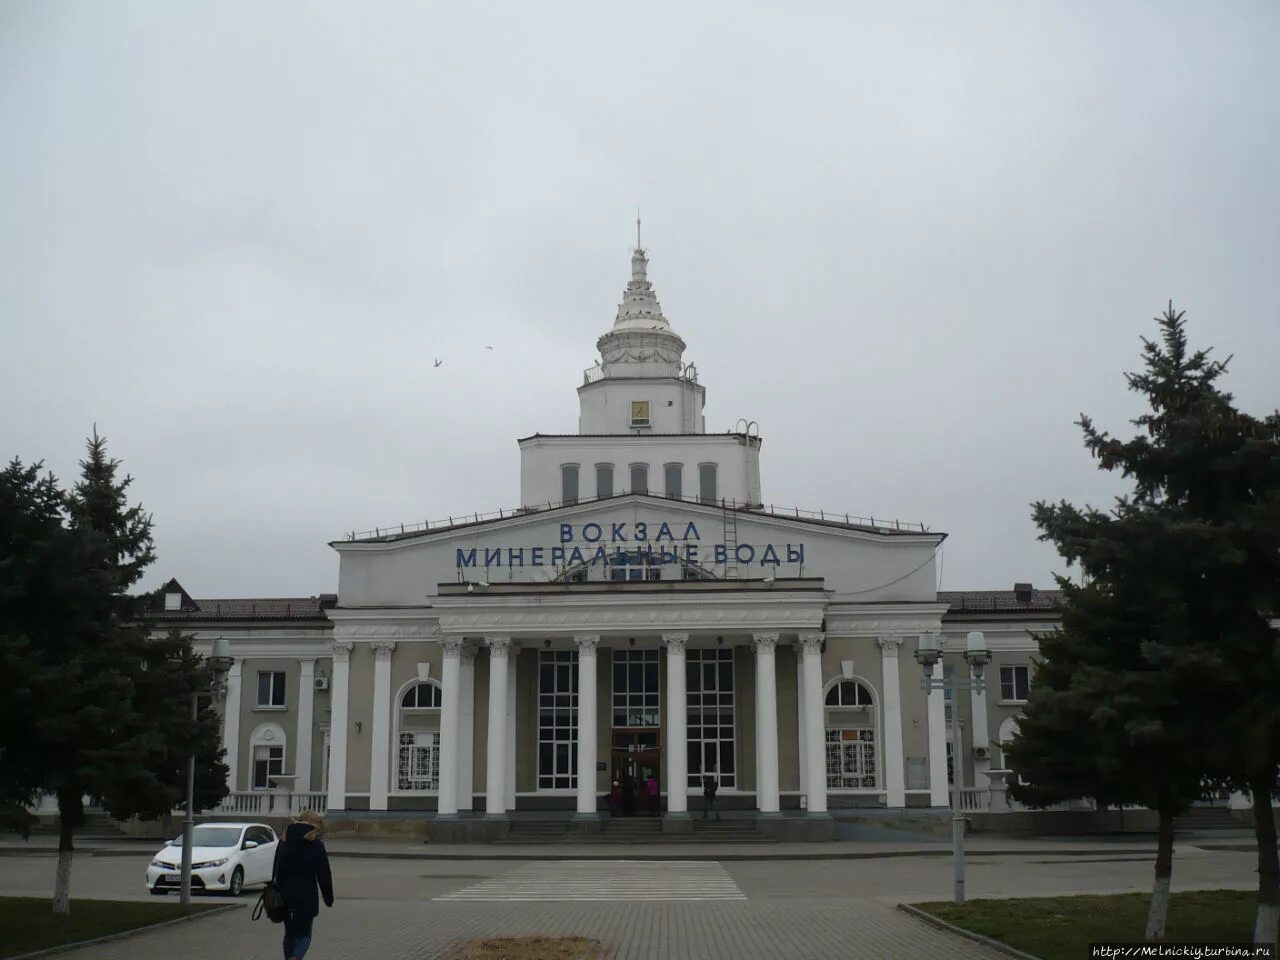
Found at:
[400, 907]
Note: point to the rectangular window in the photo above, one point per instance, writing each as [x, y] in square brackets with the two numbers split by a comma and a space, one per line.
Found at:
[1015, 683]
[604, 479]
[268, 762]
[709, 693]
[418, 765]
[557, 719]
[271, 688]
[851, 759]
[173, 601]
[707, 482]
[640, 413]
[639, 478]
[636, 695]
[569, 483]
[673, 475]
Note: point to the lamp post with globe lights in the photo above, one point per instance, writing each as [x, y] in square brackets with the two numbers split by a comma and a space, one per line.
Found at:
[977, 656]
[219, 662]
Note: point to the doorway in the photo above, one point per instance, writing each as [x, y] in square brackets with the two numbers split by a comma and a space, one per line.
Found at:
[636, 758]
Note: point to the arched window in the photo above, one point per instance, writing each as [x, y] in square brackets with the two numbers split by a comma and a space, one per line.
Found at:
[418, 737]
[851, 755]
[267, 748]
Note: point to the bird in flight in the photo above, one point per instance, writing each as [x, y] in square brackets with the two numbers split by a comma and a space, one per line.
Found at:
[488, 348]
[438, 362]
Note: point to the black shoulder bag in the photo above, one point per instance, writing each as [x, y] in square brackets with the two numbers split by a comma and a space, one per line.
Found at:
[272, 900]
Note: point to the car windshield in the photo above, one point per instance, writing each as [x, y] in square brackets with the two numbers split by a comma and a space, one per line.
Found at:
[212, 837]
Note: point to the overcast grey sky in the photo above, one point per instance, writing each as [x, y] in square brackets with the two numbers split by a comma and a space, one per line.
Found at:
[913, 240]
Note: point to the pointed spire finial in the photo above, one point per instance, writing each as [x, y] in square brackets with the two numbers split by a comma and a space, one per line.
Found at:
[639, 245]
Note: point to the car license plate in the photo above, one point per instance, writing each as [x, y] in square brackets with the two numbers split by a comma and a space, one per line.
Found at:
[171, 878]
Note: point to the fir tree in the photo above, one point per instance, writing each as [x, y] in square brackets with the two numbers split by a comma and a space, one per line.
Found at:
[1193, 555]
[109, 713]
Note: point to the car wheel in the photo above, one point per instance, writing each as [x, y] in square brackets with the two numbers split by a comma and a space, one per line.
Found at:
[157, 891]
[237, 882]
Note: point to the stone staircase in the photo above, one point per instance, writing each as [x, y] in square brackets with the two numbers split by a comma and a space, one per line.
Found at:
[632, 831]
[1210, 819]
[97, 823]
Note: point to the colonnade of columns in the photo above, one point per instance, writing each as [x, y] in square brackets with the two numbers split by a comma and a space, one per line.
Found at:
[457, 725]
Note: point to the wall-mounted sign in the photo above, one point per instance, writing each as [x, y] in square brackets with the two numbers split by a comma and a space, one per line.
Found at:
[592, 543]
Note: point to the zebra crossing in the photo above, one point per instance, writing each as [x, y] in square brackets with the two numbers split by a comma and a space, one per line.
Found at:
[606, 880]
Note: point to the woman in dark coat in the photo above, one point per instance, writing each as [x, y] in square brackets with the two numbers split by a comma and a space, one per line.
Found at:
[302, 867]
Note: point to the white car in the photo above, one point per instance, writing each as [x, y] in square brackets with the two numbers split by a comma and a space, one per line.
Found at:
[225, 857]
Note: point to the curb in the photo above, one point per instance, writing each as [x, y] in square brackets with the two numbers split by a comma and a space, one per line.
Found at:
[967, 934]
[629, 853]
[125, 934]
[636, 852]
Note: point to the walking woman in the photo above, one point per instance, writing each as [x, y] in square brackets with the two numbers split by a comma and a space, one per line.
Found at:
[302, 866]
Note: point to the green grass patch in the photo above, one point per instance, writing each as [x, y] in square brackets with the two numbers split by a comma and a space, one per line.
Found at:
[1060, 928]
[28, 923]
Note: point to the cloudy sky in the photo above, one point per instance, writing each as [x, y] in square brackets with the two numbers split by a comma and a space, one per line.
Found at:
[913, 241]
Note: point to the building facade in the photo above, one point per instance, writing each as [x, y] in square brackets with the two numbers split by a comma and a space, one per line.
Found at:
[645, 613]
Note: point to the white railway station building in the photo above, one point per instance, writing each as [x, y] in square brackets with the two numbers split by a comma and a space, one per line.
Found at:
[647, 612]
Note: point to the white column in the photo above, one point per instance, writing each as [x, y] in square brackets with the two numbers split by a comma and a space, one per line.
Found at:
[380, 747]
[980, 733]
[677, 732]
[587, 644]
[231, 724]
[892, 764]
[495, 785]
[513, 671]
[450, 710]
[815, 737]
[338, 693]
[306, 717]
[802, 733]
[467, 728]
[938, 788]
[764, 645]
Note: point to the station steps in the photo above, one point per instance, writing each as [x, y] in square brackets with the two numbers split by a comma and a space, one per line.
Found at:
[1210, 819]
[633, 830]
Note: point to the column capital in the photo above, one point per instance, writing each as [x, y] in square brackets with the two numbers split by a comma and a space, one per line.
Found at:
[812, 641]
[342, 651]
[468, 652]
[889, 646]
[382, 649]
[452, 647]
[586, 643]
[307, 664]
[498, 646]
[675, 642]
[236, 669]
[764, 642]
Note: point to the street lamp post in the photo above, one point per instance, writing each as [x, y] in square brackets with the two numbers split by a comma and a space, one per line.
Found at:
[976, 655]
[219, 661]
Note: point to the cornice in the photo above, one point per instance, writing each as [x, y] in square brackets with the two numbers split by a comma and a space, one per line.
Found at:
[604, 615]
[265, 649]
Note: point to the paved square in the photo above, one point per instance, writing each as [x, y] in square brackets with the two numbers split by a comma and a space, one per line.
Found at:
[602, 880]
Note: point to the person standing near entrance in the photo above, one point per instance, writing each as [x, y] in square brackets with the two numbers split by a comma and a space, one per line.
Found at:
[709, 787]
[628, 795]
[615, 800]
[651, 791]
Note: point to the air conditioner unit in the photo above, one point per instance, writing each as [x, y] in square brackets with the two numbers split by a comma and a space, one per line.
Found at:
[980, 753]
[322, 683]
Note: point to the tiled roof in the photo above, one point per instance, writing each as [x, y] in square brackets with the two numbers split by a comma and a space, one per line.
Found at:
[271, 608]
[1000, 601]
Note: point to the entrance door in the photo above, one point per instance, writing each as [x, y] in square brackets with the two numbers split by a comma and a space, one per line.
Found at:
[637, 757]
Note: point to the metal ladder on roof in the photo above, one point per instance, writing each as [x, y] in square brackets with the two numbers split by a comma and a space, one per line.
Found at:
[729, 509]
